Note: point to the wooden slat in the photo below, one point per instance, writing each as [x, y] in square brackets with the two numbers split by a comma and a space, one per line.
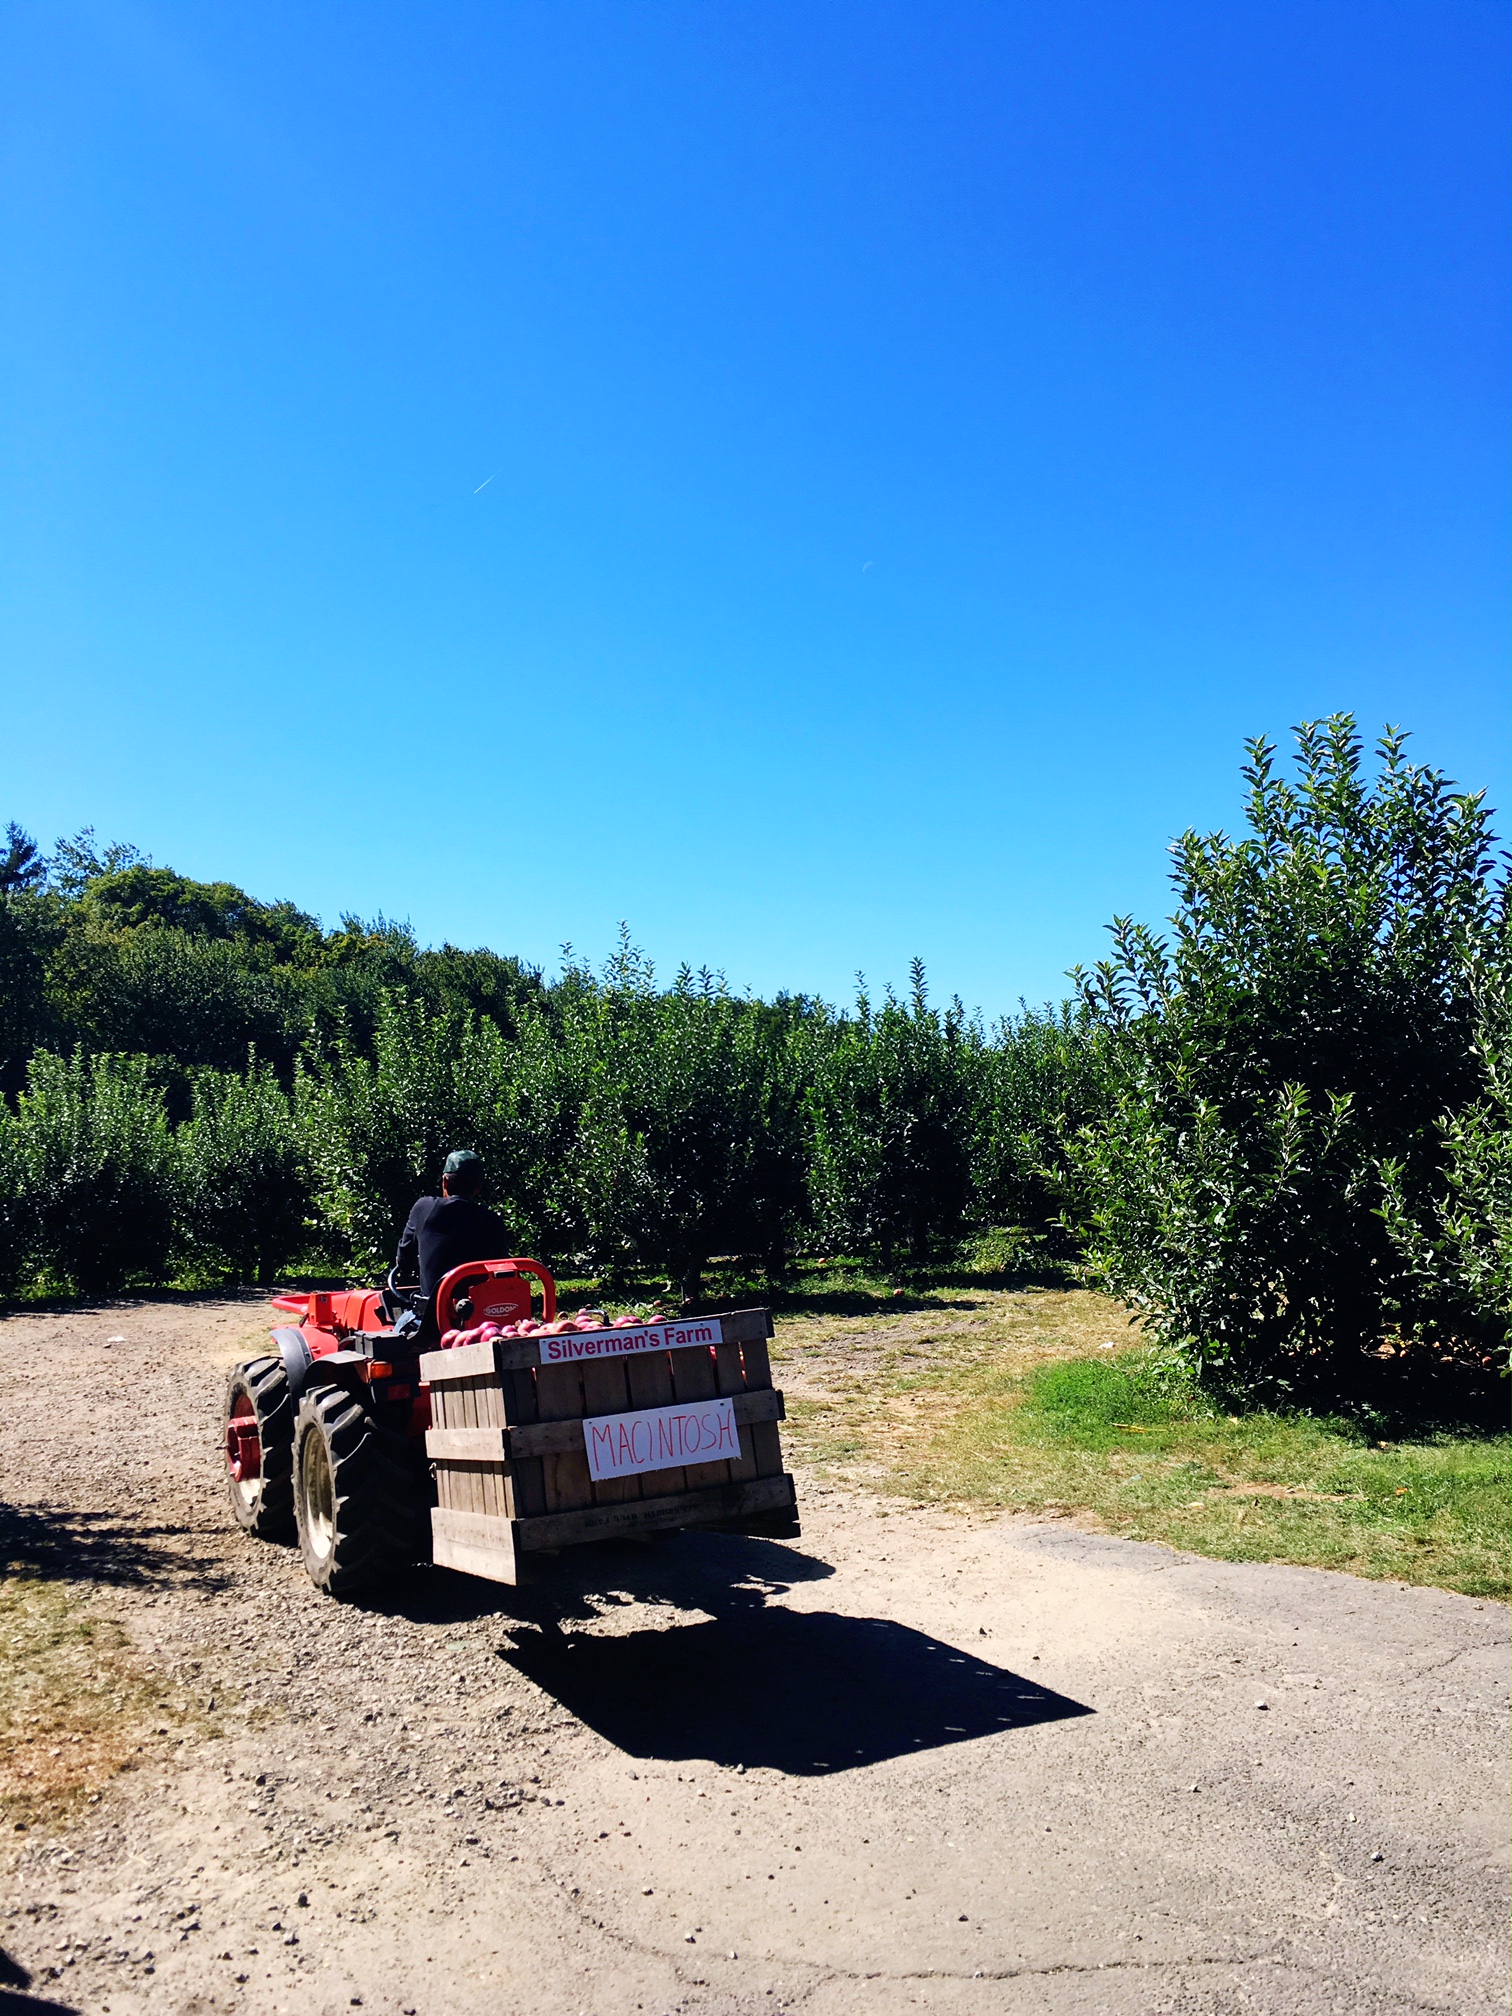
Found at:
[475, 1545]
[517, 1397]
[605, 1391]
[693, 1380]
[552, 1438]
[443, 1482]
[491, 1418]
[500, 1549]
[486, 1473]
[467, 1445]
[444, 1410]
[515, 1354]
[758, 1365]
[729, 1377]
[766, 1498]
[740, 1326]
[525, 1486]
[766, 1446]
[559, 1396]
[445, 1368]
[463, 1496]
[649, 1379]
[469, 1492]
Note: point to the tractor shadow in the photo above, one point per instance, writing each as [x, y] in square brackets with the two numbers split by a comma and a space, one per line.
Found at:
[804, 1692]
[755, 1684]
[691, 1571]
[14, 1977]
[807, 1693]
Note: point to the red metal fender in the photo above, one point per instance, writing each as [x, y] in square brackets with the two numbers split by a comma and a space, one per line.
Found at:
[501, 1296]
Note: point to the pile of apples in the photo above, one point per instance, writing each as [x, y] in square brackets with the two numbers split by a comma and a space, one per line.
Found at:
[585, 1319]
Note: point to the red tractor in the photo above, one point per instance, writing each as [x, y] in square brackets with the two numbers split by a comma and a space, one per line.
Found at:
[325, 1435]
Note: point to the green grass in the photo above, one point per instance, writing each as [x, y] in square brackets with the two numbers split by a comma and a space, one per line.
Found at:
[993, 1399]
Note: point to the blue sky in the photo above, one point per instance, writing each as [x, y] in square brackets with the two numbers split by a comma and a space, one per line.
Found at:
[821, 482]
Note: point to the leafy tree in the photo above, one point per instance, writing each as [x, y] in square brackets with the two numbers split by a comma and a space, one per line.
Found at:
[1454, 1236]
[378, 1129]
[691, 1139]
[141, 895]
[31, 929]
[101, 947]
[1307, 1024]
[537, 1174]
[98, 1187]
[22, 867]
[480, 982]
[891, 1110]
[245, 1180]
[79, 861]
[164, 992]
[16, 1239]
[1043, 1076]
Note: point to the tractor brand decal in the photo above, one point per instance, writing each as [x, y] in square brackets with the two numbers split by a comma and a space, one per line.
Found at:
[570, 1345]
[659, 1438]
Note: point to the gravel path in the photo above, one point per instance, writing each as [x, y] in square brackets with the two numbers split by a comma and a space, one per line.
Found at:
[906, 1763]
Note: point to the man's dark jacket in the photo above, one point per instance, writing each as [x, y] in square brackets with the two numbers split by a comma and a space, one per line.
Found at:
[440, 1233]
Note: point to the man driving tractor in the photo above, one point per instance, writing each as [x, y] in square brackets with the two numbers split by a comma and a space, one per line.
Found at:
[442, 1232]
[356, 1435]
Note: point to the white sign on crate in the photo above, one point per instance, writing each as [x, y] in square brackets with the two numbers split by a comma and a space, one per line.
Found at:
[661, 1438]
[570, 1346]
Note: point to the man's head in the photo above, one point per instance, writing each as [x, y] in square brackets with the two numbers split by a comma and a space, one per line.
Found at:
[463, 1174]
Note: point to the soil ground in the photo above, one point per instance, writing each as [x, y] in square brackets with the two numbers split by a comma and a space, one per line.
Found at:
[909, 1762]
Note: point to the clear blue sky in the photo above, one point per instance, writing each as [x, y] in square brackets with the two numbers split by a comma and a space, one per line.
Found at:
[823, 482]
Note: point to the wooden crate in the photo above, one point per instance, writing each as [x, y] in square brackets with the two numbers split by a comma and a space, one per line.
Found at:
[516, 1439]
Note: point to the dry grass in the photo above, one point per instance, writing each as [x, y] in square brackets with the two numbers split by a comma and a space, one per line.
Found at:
[75, 1706]
[872, 1395]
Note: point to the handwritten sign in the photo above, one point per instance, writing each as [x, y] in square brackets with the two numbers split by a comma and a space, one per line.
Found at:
[570, 1346]
[660, 1438]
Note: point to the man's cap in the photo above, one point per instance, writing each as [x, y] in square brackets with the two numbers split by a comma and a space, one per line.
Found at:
[460, 1159]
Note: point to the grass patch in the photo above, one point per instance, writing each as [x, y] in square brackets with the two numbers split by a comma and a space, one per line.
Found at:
[75, 1707]
[1013, 1400]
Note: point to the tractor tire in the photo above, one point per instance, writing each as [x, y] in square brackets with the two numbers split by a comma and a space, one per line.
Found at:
[258, 1438]
[355, 1501]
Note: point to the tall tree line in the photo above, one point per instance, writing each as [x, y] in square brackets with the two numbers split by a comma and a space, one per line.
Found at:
[203, 1084]
[1279, 1127]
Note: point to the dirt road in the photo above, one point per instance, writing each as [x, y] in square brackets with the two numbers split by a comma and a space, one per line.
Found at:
[904, 1764]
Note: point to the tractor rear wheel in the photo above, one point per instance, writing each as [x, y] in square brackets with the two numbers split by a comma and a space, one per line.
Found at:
[258, 1429]
[355, 1499]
